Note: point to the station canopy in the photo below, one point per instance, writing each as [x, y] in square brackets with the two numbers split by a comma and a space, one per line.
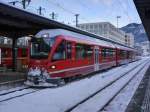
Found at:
[18, 22]
[15, 23]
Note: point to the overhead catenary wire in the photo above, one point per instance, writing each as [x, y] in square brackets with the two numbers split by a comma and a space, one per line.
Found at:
[66, 9]
[124, 10]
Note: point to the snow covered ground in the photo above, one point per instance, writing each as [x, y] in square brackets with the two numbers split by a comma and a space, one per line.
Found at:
[60, 99]
[122, 100]
[101, 99]
[12, 89]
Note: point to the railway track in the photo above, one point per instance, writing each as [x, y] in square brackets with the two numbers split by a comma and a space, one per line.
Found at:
[5, 92]
[105, 106]
[83, 103]
[17, 93]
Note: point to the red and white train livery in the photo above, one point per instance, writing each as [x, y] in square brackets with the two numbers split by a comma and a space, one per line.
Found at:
[57, 54]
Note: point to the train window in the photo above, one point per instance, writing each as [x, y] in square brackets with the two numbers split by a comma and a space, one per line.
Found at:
[111, 53]
[83, 51]
[80, 52]
[39, 49]
[60, 53]
[107, 52]
[69, 49]
[104, 53]
[89, 51]
[5, 53]
[24, 53]
[123, 54]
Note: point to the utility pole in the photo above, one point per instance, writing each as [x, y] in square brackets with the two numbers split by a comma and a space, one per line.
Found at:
[40, 10]
[77, 15]
[13, 2]
[118, 17]
[53, 16]
[24, 3]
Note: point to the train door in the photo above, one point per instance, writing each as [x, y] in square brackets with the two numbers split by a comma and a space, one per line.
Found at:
[96, 58]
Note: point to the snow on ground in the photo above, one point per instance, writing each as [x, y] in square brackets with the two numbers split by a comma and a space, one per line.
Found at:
[98, 101]
[17, 93]
[12, 89]
[121, 101]
[59, 99]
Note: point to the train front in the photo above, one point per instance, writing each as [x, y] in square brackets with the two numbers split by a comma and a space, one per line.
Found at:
[40, 49]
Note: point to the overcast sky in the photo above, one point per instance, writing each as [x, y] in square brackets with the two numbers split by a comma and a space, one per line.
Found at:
[89, 10]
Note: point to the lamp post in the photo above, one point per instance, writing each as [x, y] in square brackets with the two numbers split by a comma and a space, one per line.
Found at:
[118, 17]
[77, 15]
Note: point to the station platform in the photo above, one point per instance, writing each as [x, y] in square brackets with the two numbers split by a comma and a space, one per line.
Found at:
[141, 99]
[11, 79]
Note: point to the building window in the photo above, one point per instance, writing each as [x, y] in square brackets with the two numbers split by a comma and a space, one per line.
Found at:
[87, 27]
[91, 26]
[95, 26]
[82, 27]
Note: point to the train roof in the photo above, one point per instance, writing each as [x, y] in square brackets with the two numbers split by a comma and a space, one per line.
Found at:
[91, 40]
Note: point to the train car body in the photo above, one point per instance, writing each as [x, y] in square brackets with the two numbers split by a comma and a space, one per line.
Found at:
[6, 56]
[58, 54]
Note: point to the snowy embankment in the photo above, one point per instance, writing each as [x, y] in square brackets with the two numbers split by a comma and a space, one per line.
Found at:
[60, 99]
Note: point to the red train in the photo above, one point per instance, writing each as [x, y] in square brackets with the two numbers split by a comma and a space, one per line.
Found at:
[6, 56]
[57, 55]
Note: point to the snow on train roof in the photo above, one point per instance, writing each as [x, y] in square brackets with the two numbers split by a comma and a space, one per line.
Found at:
[56, 32]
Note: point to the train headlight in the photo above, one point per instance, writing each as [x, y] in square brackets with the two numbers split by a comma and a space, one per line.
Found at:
[53, 66]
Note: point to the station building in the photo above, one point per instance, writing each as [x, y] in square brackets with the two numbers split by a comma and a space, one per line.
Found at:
[109, 31]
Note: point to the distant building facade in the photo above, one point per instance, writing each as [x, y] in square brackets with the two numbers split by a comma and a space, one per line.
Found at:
[129, 40]
[138, 47]
[145, 48]
[109, 31]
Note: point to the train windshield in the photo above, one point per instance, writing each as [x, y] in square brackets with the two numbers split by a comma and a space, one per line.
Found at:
[40, 47]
